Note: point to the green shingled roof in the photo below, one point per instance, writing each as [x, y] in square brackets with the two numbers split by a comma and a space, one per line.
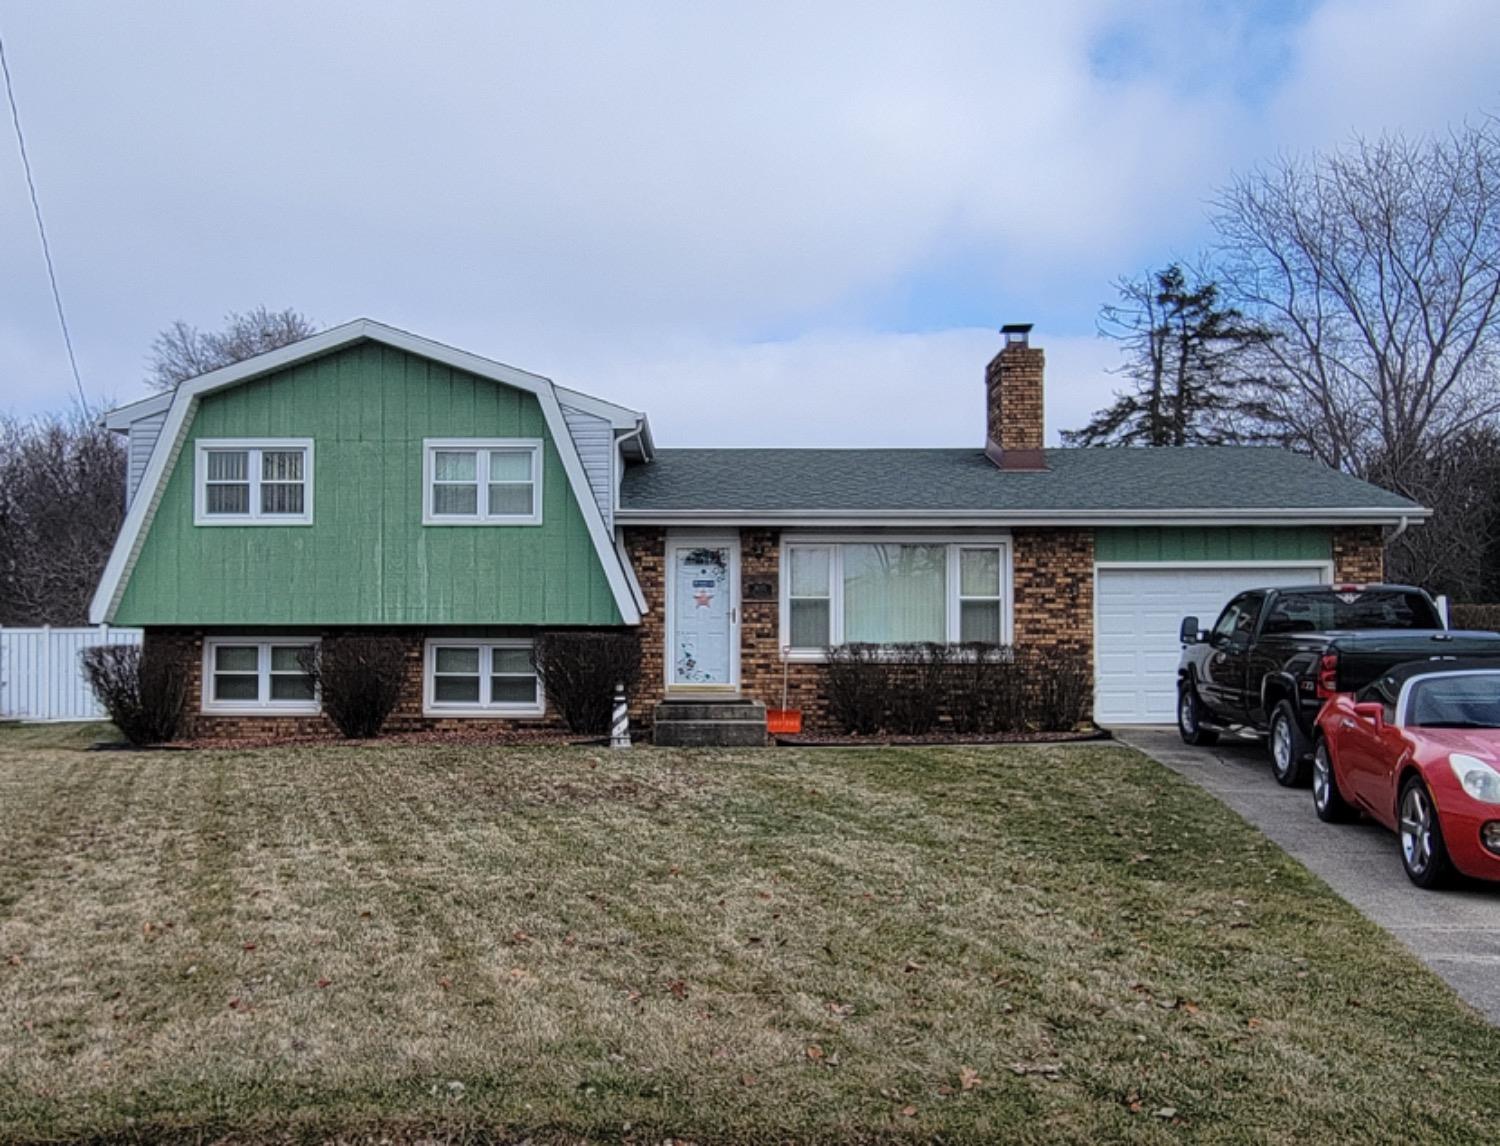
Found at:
[1195, 478]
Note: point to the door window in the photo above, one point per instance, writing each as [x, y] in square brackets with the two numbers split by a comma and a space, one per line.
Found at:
[1237, 622]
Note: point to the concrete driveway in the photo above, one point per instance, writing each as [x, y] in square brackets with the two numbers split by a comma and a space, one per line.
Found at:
[1456, 933]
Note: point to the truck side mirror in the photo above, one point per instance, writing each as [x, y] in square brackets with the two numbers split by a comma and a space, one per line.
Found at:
[1187, 633]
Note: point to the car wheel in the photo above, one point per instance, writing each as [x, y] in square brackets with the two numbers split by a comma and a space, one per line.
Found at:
[1423, 853]
[1288, 747]
[1328, 801]
[1190, 718]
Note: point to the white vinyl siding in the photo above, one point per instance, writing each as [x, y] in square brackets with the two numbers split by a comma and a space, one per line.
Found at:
[482, 481]
[258, 676]
[885, 591]
[140, 441]
[480, 678]
[239, 481]
[594, 438]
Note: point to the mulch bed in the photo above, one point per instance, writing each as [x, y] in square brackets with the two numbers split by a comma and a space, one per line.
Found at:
[849, 740]
[477, 737]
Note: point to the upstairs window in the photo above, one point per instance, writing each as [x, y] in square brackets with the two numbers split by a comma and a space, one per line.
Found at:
[253, 482]
[482, 481]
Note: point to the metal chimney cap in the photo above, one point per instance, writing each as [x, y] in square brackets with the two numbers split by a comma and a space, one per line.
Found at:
[1016, 332]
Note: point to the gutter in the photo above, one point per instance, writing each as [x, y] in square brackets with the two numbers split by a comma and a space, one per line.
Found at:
[991, 518]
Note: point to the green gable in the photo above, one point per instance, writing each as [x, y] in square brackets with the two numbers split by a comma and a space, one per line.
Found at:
[367, 559]
[1236, 543]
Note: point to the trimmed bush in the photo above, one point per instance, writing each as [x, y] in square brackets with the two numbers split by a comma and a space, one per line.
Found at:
[1485, 617]
[143, 689]
[580, 671]
[359, 679]
[970, 690]
[857, 683]
[917, 687]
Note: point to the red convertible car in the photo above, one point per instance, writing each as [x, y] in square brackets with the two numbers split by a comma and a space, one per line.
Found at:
[1419, 751]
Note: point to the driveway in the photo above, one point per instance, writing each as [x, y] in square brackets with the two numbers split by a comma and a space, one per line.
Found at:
[1456, 933]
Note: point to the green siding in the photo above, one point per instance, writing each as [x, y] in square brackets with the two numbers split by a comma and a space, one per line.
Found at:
[1229, 543]
[367, 559]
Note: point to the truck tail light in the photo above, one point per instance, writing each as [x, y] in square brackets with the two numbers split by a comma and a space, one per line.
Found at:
[1328, 675]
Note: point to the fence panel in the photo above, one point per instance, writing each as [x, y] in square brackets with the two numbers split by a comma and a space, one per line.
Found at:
[41, 675]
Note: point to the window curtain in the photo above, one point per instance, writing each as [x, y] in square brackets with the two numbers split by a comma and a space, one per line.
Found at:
[895, 593]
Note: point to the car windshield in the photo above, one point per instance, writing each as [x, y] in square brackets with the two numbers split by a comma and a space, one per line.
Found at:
[1463, 700]
[1327, 610]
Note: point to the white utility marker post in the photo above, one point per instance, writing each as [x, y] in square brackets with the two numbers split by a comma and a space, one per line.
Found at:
[619, 730]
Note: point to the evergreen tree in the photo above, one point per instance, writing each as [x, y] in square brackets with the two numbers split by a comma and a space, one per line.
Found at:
[1186, 362]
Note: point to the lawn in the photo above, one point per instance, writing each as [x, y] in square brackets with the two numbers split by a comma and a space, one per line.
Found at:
[1027, 943]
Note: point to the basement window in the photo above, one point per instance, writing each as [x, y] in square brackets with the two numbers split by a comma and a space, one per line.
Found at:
[258, 676]
[261, 481]
[481, 678]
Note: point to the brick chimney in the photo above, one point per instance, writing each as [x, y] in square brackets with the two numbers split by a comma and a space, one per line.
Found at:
[1013, 396]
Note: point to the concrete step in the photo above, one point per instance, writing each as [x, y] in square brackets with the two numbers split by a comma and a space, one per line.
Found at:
[710, 722]
[711, 710]
[710, 734]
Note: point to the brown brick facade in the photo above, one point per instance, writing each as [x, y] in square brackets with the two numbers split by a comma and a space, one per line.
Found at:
[1358, 554]
[1053, 579]
[407, 716]
[1013, 394]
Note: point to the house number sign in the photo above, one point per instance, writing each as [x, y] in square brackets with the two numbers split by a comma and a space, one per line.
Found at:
[761, 587]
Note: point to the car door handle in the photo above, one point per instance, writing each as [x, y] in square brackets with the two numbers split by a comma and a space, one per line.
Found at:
[1347, 723]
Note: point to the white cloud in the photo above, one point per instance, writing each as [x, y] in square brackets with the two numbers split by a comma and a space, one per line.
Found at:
[675, 194]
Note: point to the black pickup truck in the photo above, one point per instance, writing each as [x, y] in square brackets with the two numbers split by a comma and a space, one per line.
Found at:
[1275, 655]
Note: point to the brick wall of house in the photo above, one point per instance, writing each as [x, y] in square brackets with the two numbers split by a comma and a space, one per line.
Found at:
[1358, 553]
[1053, 571]
[187, 648]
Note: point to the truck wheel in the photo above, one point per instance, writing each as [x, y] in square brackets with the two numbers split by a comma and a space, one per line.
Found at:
[1190, 718]
[1328, 801]
[1288, 747]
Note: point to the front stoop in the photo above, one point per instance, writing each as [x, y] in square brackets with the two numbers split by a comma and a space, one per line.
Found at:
[710, 723]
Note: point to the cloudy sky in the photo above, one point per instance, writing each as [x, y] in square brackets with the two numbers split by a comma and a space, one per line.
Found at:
[763, 223]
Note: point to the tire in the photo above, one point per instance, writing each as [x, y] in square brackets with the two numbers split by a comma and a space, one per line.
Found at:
[1288, 747]
[1423, 853]
[1328, 801]
[1190, 718]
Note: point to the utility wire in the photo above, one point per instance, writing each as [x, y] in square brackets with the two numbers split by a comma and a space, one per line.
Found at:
[36, 209]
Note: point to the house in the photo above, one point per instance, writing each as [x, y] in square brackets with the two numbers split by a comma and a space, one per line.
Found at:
[366, 478]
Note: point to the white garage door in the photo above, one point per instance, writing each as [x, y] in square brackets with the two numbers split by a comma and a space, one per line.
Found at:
[1138, 611]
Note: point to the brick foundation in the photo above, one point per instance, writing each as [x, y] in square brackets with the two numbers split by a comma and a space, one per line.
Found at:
[1358, 554]
[407, 716]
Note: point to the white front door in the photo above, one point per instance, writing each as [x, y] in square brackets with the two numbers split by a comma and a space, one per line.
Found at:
[703, 613]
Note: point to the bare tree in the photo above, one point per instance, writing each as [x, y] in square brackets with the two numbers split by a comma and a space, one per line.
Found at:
[62, 481]
[1186, 354]
[1377, 269]
[182, 351]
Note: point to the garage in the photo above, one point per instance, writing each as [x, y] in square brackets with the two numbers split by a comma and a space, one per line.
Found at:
[1138, 610]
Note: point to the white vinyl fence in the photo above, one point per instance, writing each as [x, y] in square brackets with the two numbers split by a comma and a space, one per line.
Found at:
[41, 676]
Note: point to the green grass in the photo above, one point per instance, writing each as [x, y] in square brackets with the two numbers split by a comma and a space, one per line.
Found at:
[572, 944]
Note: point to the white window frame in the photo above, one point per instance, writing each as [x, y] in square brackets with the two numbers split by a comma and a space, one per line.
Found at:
[431, 706]
[264, 706]
[482, 448]
[835, 543]
[254, 446]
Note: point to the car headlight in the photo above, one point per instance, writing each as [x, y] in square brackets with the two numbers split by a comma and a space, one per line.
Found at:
[1479, 779]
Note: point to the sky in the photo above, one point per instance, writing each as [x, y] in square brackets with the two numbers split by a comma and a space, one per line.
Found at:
[767, 224]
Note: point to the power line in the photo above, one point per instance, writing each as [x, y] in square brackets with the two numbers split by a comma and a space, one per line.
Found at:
[36, 209]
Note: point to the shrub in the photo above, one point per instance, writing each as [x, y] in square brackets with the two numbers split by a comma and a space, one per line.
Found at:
[142, 688]
[916, 688]
[985, 690]
[359, 680]
[857, 681]
[1058, 688]
[1475, 616]
[580, 671]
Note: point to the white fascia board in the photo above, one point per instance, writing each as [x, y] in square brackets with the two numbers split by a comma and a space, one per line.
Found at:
[184, 399]
[620, 417]
[121, 417]
[911, 518]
